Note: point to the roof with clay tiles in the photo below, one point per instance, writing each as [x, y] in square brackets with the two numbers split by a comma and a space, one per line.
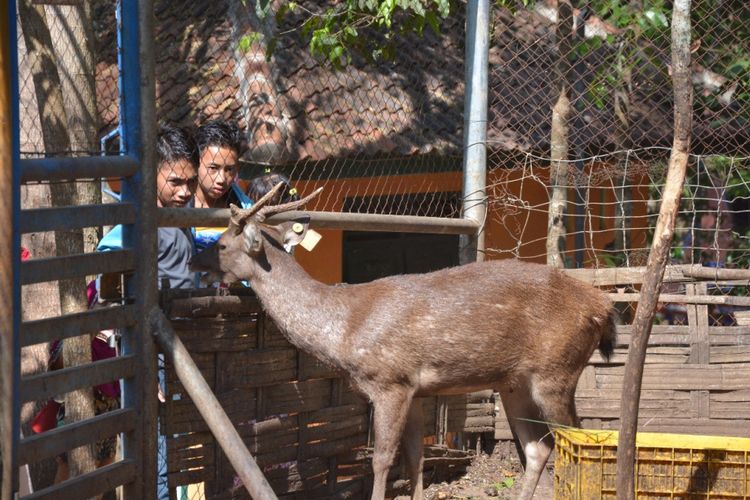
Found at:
[409, 106]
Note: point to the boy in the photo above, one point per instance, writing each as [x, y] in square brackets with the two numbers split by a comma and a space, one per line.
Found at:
[176, 183]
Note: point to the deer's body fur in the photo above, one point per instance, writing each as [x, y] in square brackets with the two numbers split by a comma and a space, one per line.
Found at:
[524, 329]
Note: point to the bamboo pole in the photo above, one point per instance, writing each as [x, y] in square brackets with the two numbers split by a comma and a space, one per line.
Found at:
[659, 254]
[209, 407]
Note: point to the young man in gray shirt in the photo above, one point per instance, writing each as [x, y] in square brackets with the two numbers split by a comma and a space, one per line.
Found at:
[176, 182]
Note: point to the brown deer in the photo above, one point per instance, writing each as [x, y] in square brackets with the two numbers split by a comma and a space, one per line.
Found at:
[524, 329]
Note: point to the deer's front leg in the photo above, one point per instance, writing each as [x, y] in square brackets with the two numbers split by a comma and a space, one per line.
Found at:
[391, 409]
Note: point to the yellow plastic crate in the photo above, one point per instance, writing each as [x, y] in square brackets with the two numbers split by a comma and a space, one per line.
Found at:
[667, 465]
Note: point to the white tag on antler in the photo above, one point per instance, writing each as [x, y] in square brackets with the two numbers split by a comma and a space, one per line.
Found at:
[310, 240]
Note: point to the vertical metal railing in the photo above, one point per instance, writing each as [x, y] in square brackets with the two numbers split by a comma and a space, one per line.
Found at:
[136, 419]
[475, 127]
[137, 129]
[9, 252]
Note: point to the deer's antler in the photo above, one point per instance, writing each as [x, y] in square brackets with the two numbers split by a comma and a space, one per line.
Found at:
[264, 212]
[239, 216]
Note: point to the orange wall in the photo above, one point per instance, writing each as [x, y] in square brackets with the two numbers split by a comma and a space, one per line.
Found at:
[518, 211]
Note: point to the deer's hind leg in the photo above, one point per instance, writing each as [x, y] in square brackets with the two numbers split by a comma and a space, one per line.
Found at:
[412, 448]
[391, 410]
[531, 433]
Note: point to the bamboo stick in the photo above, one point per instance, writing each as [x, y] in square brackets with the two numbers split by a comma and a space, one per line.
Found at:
[658, 256]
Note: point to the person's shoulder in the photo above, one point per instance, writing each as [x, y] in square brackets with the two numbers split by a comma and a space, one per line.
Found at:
[239, 198]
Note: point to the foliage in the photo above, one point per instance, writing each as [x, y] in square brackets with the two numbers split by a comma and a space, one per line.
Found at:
[719, 27]
[335, 31]
[505, 484]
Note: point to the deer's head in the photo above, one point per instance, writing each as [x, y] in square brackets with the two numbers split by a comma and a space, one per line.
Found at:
[241, 251]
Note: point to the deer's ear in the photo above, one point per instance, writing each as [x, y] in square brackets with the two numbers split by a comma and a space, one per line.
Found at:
[252, 239]
[293, 231]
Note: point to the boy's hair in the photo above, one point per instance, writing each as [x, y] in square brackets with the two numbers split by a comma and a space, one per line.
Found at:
[174, 144]
[219, 133]
[263, 184]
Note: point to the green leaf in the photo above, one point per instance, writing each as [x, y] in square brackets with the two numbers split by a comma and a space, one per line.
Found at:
[283, 9]
[335, 54]
[262, 8]
[444, 7]
[418, 8]
[433, 21]
[246, 41]
[656, 18]
[505, 484]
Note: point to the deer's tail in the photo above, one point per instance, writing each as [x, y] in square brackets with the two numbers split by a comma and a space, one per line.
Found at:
[609, 335]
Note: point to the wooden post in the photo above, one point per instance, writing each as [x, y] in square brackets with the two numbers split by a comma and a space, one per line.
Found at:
[210, 409]
[558, 200]
[659, 254]
[9, 288]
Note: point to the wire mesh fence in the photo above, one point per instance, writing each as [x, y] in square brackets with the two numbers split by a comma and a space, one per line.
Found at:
[385, 137]
[613, 203]
[66, 89]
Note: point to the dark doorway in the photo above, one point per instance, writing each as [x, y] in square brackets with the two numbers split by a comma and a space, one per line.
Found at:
[369, 256]
[372, 255]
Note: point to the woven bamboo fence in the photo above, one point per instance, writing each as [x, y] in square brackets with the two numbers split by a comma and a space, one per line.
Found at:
[697, 373]
[308, 430]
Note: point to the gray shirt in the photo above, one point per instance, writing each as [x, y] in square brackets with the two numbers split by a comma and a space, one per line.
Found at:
[175, 250]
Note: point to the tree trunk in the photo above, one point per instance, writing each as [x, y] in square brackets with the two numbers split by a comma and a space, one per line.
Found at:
[657, 259]
[71, 27]
[79, 405]
[559, 139]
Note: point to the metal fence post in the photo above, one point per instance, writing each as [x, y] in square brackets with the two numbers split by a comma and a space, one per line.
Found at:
[138, 131]
[475, 127]
[10, 289]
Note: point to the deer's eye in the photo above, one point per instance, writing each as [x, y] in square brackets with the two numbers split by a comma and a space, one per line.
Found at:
[222, 246]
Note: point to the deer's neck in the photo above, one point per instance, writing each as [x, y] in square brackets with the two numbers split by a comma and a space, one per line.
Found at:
[310, 313]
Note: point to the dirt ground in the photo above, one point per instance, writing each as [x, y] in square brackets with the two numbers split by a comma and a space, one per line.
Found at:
[495, 475]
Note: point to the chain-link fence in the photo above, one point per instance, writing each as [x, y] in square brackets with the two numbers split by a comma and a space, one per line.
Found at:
[614, 63]
[386, 137]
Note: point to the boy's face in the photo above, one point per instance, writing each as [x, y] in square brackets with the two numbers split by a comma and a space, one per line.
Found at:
[217, 170]
[175, 183]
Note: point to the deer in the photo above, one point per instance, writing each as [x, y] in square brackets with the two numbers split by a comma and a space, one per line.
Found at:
[523, 329]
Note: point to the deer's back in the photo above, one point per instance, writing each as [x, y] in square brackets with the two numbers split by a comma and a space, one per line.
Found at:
[495, 317]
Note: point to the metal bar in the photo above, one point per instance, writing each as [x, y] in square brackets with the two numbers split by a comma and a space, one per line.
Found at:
[89, 485]
[45, 385]
[210, 409]
[138, 133]
[37, 220]
[77, 168]
[71, 266]
[10, 290]
[212, 217]
[61, 439]
[70, 325]
[475, 127]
